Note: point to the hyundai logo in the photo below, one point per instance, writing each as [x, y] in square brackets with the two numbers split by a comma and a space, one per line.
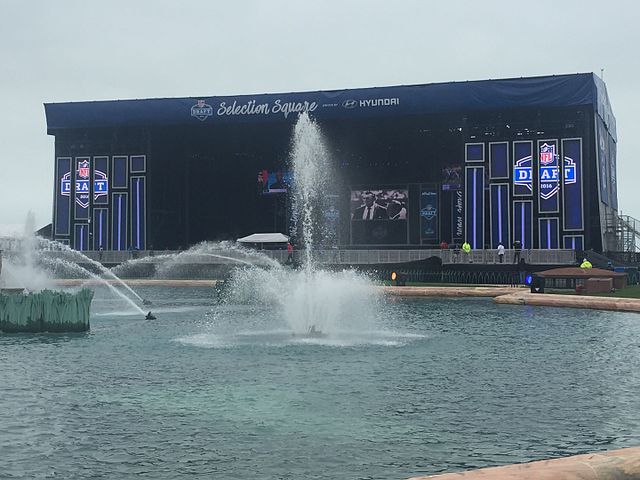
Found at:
[349, 104]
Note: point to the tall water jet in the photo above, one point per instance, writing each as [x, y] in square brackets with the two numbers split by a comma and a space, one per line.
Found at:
[313, 175]
[310, 300]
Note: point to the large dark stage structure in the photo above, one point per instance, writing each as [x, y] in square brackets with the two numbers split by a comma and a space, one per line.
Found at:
[529, 159]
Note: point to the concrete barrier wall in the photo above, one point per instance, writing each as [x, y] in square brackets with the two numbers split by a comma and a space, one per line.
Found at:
[623, 464]
[615, 304]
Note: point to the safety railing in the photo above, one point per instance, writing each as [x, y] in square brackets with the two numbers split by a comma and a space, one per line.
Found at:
[336, 256]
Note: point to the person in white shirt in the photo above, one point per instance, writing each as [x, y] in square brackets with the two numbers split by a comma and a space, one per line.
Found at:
[501, 252]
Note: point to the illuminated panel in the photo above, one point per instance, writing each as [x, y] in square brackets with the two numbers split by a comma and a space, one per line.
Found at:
[548, 234]
[522, 169]
[572, 194]
[101, 180]
[613, 174]
[62, 218]
[499, 214]
[119, 217]
[474, 152]
[474, 203]
[138, 164]
[499, 160]
[429, 214]
[138, 205]
[82, 190]
[100, 229]
[548, 176]
[81, 236]
[603, 162]
[523, 223]
[574, 242]
[120, 172]
[457, 217]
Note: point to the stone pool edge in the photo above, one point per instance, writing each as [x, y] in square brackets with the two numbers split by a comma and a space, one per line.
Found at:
[520, 296]
[621, 464]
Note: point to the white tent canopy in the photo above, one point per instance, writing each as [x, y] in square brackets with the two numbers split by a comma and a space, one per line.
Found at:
[264, 238]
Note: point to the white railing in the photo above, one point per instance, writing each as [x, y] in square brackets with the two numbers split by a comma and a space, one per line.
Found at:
[339, 257]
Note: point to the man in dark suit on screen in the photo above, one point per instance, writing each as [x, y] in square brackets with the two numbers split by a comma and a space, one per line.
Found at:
[370, 210]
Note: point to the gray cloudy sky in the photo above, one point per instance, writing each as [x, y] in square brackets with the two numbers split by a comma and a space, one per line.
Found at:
[63, 50]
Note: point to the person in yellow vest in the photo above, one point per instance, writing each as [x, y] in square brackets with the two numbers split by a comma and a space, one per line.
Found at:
[466, 249]
[586, 264]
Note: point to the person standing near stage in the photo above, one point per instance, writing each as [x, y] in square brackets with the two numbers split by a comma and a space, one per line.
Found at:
[289, 252]
[517, 249]
[500, 252]
[466, 249]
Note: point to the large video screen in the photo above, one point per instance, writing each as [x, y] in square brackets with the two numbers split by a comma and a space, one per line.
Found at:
[274, 181]
[379, 204]
[452, 177]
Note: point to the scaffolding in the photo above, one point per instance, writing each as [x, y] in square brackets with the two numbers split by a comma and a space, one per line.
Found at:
[622, 233]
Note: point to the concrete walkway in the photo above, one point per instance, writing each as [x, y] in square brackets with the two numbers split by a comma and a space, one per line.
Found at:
[521, 296]
[616, 304]
[623, 464]
[464, 291]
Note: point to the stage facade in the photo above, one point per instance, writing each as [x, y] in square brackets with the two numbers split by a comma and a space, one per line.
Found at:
[529, 159]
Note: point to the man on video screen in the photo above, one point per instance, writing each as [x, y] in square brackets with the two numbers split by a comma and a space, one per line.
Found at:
[370, 210]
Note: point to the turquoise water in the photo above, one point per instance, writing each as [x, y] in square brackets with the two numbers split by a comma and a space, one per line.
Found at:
[210, 391]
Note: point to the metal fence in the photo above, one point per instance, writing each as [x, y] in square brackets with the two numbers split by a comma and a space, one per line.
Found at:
[339, 257]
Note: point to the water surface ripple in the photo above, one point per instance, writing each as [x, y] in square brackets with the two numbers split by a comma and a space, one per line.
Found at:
[227, 392]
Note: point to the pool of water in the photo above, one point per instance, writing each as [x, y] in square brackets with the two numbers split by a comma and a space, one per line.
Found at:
[208, 391]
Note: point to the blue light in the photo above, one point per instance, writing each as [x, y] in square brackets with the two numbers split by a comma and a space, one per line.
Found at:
[528, 279]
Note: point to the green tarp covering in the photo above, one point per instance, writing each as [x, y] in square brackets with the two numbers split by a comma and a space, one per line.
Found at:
[45, 311]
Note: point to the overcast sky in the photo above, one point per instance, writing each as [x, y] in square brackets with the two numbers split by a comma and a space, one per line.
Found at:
[55, 51]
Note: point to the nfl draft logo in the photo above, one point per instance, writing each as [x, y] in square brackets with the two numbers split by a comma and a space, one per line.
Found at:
[547, 154]
[549, 181]
[100, 184]
[82, 184]
[65, 184]
[569, 171]
[522, 173]
[428, 212]
[83, 169]
[201, 110]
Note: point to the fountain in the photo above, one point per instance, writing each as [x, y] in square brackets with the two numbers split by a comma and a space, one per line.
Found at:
[29, 298]
[315, 303]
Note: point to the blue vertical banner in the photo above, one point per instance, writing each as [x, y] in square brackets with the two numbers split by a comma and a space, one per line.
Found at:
[573, 242]
[548, 233]
[120, 172]
[522, 169]
[499, 160]
[572, 195]
[81, 237]
[457, 217]
[82, 190]
[138, 206]
[429, 214]
[101, 180]
[474, 203]
[603, 161]
[613, 174]
[523, 222]
[548, 176]
[100, 229]
[119, 221]
[62, 208]
[500, 214]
